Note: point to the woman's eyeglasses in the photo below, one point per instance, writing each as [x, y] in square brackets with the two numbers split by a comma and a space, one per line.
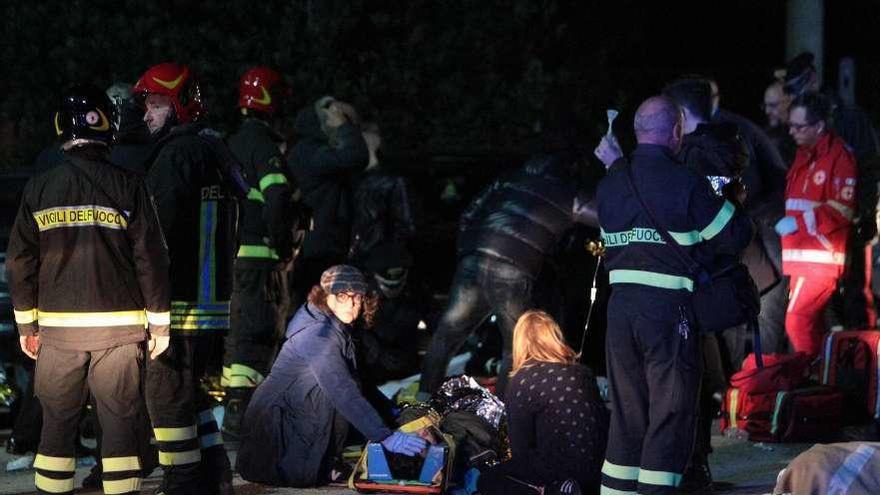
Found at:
[345, 297]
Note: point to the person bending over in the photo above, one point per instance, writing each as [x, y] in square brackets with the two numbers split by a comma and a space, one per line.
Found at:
[294, 429]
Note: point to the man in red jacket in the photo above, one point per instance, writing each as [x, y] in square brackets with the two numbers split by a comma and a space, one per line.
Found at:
[819, 209]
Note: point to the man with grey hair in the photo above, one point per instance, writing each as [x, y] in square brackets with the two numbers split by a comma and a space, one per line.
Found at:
[652, 344]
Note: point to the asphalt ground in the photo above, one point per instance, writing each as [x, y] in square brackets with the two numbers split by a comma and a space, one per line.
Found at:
[739, 467]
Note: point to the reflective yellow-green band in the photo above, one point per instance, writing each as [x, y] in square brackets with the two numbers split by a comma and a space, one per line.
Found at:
[175, 434]
[659, 478]
[619, 472]
[652, 279]
[52, 485]
[686, 238]
[180, 458]
[92, 319]
[116, 464]
[253, 251]
[58, 464]
[719, 222]
[128, 485]
[239, 375]
[25, 317]
[611, 491]
[270, 180]
[211, 440]
[254, 194]
[163, 318]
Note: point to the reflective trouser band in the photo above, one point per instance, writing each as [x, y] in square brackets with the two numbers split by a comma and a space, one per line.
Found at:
[814, 256]
[179, 458]
[210, 440]
[255, 195]
[619, 472]
[256, 251]
[127, 485]
[52, 485]
[26, 316]
[117, 464]
[91, 319]
[611, 491]
[659, 478]
[58, 464]
[175, 434]
[162, 318]
[270, 180]
[239, 375]
[651, 279]
[206, 417]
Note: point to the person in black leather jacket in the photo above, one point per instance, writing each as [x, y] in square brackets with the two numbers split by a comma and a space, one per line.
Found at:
[505, 236]
[383, 205]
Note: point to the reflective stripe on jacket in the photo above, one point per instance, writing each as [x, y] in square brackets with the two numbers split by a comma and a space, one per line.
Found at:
[820, 194]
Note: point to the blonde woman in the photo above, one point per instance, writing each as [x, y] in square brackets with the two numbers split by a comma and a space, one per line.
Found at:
[557, 422]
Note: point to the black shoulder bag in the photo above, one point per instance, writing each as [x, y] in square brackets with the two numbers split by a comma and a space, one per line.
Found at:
[722, 298]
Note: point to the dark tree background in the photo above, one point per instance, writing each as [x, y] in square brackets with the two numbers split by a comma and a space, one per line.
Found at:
[441, 76]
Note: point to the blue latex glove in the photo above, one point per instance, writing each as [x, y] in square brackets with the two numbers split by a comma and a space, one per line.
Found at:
[787, 225]
[404, 443]
[471, 476]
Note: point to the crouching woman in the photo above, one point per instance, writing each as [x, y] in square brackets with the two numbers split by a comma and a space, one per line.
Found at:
[295, 426]
[556, 420]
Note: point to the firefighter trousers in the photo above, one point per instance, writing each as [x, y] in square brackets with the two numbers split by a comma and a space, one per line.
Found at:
[191, 450]
[805, 317]
[654, 370]
[63, 380]
[259, 306]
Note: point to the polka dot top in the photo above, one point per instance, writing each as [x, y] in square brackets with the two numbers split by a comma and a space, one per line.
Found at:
[557, 419]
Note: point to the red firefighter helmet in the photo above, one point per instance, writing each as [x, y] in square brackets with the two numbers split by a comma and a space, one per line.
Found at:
[259, 89]
[177, 82]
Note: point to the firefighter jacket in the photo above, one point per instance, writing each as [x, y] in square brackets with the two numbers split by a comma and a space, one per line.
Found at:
[705, 225]
[521, 217]
[197, 212]
[820, 195]
[87, 265]
[266, 214]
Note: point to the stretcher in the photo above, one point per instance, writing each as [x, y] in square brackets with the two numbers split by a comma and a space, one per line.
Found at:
[373, 474]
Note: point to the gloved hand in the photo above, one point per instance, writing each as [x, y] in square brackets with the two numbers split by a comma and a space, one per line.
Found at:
[471, 477]
[786, 226]
[158, 344]
[404, 443]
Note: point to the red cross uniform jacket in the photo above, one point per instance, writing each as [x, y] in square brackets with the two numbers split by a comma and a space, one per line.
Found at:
[820, 194]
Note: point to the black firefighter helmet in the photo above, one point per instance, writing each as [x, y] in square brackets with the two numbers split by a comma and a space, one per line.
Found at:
[85, 115]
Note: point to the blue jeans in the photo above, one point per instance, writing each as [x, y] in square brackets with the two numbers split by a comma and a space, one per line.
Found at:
[482, 286]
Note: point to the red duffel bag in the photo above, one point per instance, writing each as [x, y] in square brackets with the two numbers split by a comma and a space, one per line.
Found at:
[781, 372]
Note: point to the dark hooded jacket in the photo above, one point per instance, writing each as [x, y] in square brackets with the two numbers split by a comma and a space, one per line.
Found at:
[287, 429]
[324, 169]
[520, 218]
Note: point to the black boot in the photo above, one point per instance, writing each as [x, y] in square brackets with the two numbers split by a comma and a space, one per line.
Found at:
[697, 477]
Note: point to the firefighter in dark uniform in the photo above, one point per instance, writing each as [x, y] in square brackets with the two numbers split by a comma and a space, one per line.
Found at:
[652, 345]
[260, 292]
[88, 272]
[197, 213]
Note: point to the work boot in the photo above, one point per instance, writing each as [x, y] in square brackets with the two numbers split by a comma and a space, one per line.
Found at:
[235, 403]
[697, 479]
